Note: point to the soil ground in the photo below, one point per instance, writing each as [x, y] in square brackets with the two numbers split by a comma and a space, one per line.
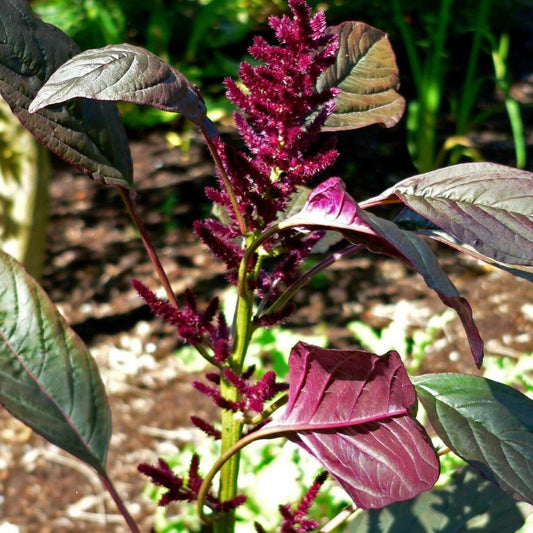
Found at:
[93, 253]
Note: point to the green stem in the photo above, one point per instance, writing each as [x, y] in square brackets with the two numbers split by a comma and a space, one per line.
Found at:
[232, 425]
[272, 408]
[431, 95]
[287, 296]
[229, 471]
[470, 88]
[409, 43]
[428, 79]
[225, 458]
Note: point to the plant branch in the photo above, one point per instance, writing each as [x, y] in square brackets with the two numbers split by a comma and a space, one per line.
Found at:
[107, 483]
[128, 199]
[272, 408]
[285, 298]
[345, 515]
[227, 184]
[224, 458]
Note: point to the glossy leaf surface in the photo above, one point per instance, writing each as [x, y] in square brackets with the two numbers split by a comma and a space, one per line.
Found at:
[87, 134]
[350, 410]
[330, 207]
[367, 76]
[48, 379]
[488, 208]
[466, 503]
[128, 73]
[488, 424]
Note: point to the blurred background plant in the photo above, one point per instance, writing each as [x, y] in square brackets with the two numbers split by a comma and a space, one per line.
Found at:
[24, 176]
[455, 45]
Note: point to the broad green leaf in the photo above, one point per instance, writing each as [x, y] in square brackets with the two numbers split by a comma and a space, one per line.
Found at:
[367, 76]
[48, 378]
[128, 73]
[488, 424]
[467, 503]
[89, 135]
[487, 208]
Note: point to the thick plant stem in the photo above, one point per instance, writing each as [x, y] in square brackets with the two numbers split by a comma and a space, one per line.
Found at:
[229, 473]
[231, 423]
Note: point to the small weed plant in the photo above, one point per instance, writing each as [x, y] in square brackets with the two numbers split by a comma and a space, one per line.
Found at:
[353, 411]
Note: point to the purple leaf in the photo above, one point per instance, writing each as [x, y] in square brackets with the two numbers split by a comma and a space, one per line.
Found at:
[367, 76]
[350, 410]
[89, 135]
[128, 73]
[487, 208]
[330, 207]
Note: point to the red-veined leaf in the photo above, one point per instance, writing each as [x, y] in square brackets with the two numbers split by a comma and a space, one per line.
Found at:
[484, 207]
[87, 134]
[48, 378]
[350, 410]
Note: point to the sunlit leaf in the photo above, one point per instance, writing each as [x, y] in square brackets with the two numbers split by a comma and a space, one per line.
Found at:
[486, 423]
[128, 73]
[87, 134]
[367, 75]
[488, 208]
[329, 207]
[350, 410]
[48, 378]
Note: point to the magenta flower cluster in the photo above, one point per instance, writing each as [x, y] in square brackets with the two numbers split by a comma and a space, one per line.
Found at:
[280, 118]
[252, 395]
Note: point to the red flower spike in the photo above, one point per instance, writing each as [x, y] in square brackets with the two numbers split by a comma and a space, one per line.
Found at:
[229, 505]
[350, 410]
[217, 398]
[163, 476]
[280, 118]
[206, 427]
[294, 520]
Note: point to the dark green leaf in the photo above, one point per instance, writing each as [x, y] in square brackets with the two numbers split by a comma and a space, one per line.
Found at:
[467, 503]
[128, 73]
[86, 134]
[367, 75]
[488, 424]
[486, 207]
[48, 378]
